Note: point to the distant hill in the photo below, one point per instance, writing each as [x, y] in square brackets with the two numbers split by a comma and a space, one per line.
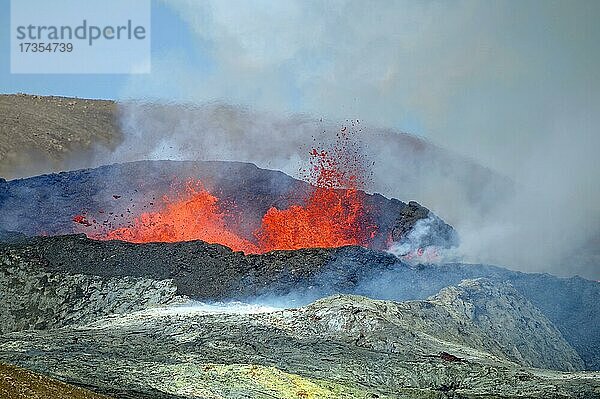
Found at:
[38, 133]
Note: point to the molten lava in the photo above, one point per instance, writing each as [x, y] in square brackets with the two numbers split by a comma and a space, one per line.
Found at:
[331, 218]
[333, 215]
[195, 215]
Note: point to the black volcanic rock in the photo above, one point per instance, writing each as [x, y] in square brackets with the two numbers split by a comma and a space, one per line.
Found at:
[34, 297]
[207, 271]
[409, 215]
[418, 227]
[214, 272]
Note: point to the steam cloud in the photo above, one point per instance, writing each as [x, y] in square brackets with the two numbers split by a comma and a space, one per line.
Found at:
[511, 86]
[544, 219]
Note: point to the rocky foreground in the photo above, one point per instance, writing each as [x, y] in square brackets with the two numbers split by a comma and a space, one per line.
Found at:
[124, 320]
[52, 281]
[18, 383]
[341, 346]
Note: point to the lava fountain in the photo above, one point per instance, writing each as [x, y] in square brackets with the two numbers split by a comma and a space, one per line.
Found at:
[192, 215]
[333, 215]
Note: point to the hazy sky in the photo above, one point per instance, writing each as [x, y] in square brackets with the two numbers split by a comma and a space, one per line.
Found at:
[486, 79]
[511, 84]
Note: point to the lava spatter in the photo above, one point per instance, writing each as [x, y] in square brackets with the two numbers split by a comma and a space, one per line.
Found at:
[192, 215]
[333, 215]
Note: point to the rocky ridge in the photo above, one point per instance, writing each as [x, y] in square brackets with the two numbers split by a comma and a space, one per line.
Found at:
[525, 335]
[33, 298]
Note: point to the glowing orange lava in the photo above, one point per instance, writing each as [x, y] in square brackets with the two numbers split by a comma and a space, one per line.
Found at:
[195, 215]
[331, 218]
[333, 215]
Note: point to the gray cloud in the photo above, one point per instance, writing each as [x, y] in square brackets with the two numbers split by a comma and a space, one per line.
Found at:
[512, 85]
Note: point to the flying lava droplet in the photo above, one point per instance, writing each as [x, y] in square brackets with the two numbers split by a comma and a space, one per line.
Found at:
[334, 214]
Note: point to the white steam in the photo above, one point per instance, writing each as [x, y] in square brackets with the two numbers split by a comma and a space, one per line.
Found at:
[544, 219]
[512, 86]
[419, 247]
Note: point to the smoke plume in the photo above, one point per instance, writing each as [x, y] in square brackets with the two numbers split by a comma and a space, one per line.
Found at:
[543, 219]
[503, 99]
